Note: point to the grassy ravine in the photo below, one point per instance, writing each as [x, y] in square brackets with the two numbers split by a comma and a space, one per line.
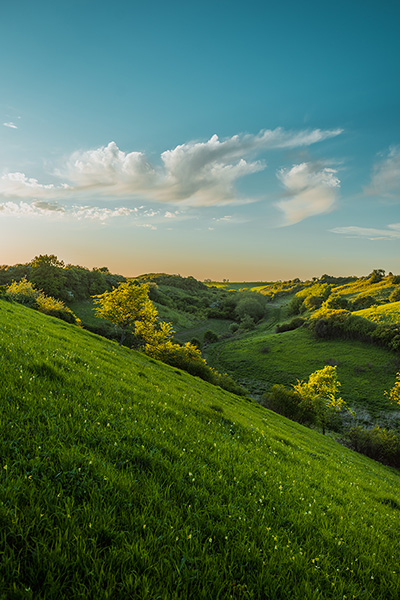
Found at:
[123, 478]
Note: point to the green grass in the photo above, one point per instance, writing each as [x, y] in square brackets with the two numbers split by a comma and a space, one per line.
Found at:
[261, 359]
[388, 314]
[123, 478]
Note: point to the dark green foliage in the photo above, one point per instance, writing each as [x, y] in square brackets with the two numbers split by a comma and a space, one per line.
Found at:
[296, 305]
[395, 295]
[313, 302]
[287, 402]
[336, 302]
[363, 301]
[345, 325]
[290, 326]
[210, 337]
[395, 279]
[377, 443]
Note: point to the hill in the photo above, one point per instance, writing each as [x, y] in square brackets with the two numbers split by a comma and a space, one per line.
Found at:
[122, 477]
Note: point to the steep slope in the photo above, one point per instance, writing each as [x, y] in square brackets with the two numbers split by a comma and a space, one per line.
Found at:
[124, 478]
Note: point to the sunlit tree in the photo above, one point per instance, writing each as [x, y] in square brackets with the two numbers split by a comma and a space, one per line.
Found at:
[320, 393]
[126, 305]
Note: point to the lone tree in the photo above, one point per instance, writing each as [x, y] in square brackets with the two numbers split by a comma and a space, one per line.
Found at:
[125, 305]
[320, 394]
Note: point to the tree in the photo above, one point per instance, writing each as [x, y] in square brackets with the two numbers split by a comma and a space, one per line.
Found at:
[320, 394]
[48, 275]
[125, 306]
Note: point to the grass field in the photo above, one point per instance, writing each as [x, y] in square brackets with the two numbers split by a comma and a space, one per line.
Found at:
[123, 478]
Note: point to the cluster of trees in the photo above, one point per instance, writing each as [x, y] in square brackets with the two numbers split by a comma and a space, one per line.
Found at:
[129, 307]
[245, 308]
[63, 282]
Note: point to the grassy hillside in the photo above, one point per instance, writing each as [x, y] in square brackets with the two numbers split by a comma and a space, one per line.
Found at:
[263, 358]
[124, 478]
[386, 313]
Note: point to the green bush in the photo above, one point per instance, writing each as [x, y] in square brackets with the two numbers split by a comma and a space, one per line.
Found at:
[55, 308]
[23, 292]
[363, 301]
[377, 443]
[210, 337]
[290, 325]
[287, 402]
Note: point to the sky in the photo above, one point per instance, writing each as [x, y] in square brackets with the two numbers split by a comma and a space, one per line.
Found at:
[250, 141]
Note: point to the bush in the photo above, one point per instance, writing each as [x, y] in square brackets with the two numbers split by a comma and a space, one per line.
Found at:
[295, 306]
[287, 402]
[210, 337]
[363, 301]
[23, 292]
[55, 308]
[380, 444]
[395, 295]
[313, 302]
[293, 324]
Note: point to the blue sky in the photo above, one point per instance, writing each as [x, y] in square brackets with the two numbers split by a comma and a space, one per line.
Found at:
[241, 140]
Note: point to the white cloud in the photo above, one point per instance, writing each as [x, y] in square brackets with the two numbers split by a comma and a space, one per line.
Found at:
[391, 233]
[385, 180]
[18, 185]
[192, 174]
[11, 125]
[312, 190]
[32, 209]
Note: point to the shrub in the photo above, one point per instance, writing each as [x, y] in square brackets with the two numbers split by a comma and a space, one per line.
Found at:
[313, 302]
[377, 443]
[287, 402]
[336, 302]
[395, 295]
[247, 323]
[363, 301]
[23, 292]
[210, 337]
[295, 306]
[55, 308]
[289, 326]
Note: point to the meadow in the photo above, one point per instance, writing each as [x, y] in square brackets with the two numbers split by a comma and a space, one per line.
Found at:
[122, 477]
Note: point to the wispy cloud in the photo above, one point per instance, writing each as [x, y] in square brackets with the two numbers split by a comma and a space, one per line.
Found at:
[138, 216]
[311, 190]
[385, 180]
[192, 174]
[11, 125]
[18, 185]
[392, 232]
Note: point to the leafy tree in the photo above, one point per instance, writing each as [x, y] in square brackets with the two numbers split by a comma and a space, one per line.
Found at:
[376, 276]
[47, 274]
[126, 306]
[320, 394]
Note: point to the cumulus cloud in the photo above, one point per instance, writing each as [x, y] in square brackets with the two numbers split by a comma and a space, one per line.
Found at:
[392, 232]
[192, 174]
[309, 189]
[11, 125]
[385, 180]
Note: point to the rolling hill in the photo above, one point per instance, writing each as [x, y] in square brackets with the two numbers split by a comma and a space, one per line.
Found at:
[122, 478]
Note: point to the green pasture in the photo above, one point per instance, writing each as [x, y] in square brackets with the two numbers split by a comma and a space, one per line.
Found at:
[123, 478]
